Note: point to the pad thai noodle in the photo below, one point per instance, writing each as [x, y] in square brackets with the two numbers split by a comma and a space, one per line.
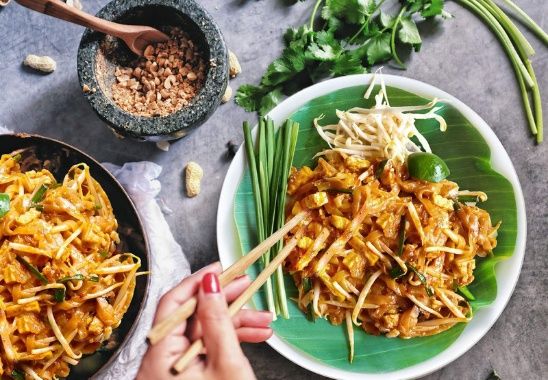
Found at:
[383, 251]
[64, 286]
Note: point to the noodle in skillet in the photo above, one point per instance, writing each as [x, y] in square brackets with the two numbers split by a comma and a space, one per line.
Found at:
[63, 285]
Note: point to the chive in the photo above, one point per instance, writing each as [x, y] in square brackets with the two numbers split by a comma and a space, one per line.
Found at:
[396, 272]
[93, 278]
[32, 269]
[341, 191]
[59, 295]
[380, 169]
[271, 148]
[76, 277]
[422, 279]
[103, 254]
[248, 142]
[307, 286]
[466, 293]
[4, 204]
[456, 206]
[17, 157]
[401, 235]
[39, 194]
[503, 27]
[17, 375]
[466, 198]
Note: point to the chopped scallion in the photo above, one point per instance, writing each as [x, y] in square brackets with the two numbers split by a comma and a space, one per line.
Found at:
[422, 279]
[380, 169]
[17, 375]
[32, 269]
[401, 235]
[4, 204]
[76, 277]
[466, 293]
[59, 295]
[39, 194]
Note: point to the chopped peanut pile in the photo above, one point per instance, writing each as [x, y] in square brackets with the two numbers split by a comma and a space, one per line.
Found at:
[169, 75]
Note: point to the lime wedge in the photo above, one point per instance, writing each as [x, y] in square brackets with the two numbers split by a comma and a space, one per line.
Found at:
[427, 166]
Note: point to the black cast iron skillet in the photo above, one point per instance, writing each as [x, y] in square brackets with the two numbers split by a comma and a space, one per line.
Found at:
[56, 156]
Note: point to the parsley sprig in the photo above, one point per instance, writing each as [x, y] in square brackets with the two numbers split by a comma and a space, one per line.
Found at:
[342, 37]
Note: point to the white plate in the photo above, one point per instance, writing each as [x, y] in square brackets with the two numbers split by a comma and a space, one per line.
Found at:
[229, 249]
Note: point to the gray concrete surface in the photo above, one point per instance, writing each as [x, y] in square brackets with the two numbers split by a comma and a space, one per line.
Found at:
[460, 56]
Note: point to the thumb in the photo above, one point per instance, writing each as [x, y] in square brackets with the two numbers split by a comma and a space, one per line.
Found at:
[219, 336]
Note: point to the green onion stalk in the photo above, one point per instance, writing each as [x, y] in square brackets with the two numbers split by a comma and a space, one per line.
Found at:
[270, 167]
[519, 51]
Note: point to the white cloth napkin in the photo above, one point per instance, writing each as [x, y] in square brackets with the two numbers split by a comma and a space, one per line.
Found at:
[168, 263]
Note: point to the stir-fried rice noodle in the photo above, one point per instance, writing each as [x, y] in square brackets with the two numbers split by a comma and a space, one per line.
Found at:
[63, 285]
[360, 267]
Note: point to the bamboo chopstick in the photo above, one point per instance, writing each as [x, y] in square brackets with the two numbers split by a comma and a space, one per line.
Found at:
[196, 347]
[163, 328]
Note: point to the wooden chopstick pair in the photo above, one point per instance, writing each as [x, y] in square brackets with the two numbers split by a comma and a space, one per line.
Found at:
[162, 329]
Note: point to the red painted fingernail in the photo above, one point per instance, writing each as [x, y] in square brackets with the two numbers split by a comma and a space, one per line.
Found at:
[210, 283]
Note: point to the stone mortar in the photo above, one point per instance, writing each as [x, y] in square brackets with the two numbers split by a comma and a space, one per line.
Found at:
[98, 55]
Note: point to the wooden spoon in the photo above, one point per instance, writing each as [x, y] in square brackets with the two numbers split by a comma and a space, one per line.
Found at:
[136, 37]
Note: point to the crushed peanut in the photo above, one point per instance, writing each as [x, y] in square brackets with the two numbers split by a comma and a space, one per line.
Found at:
[193, 177]
[44, 64]
[164, 80]
[227, 95]
[234, 64]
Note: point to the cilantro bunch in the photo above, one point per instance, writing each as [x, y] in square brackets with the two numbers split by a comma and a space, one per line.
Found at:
[342, 37]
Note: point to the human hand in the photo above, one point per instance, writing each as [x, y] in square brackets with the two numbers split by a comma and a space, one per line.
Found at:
[224, 358]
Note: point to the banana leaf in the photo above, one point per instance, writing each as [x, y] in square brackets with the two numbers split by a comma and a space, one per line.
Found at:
[468, 157]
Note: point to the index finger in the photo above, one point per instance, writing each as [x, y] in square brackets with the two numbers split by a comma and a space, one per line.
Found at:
[182, 292]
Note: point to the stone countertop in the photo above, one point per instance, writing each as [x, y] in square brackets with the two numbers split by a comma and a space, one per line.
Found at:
[460, 56]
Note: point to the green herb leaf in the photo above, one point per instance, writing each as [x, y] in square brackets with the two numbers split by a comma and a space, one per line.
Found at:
[324, 48]
[297, 34]
[249, 97]
[409, 34]
[432, 8]
[33, 270]
[270, 101]
[347, 64]
[378, 48]
[353, 11]
[76, 277]
[287, 66]
[4, 204]
[387, 20]
[59, 295]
